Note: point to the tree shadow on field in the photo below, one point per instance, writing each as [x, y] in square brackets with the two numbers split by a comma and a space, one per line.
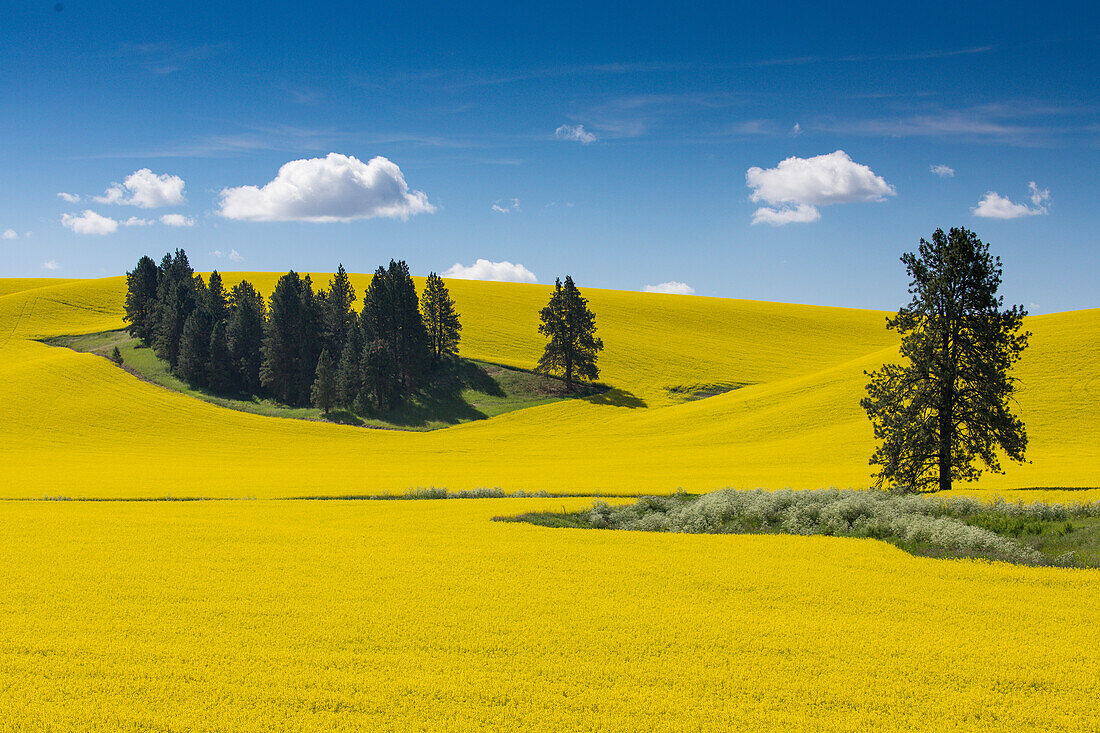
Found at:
[616, 397]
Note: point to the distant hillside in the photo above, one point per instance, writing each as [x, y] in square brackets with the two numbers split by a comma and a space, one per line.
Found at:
[786, 382]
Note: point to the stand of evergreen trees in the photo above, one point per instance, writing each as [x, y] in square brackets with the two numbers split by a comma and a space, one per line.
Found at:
[302, 346]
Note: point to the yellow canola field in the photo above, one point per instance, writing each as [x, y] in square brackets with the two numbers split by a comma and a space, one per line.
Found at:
[425, 615]
[74, 425]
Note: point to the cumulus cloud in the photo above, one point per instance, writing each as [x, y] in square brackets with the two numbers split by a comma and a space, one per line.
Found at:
[576, 133]
[334, 188]
[995, 206]
[943, 171]
[9, 234]
[145, 189]
[672, 287]
[134, 221]
[503, 208]
[233, 255]
[177, 220]
[51, 264]
[795, 187]
[801, 214]
[486, 270]
[89, 222]
[71, 198]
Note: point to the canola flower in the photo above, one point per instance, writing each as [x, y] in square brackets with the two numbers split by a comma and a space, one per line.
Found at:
[75, 425]
[426, 615]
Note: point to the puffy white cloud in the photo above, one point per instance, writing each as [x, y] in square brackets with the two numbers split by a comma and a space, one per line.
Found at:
[486, 270]
[233, 255]
[672, 287]
[943, 171]
[801, 214]
[576, 133]
[72, 198]
[51, 264]
[89, 222]
[9, 234]
[797, 186]
[145, 189]
[134, 221]
[504, 208]
[822, 180]
[334, 188]
[995, 206]
[177, 220]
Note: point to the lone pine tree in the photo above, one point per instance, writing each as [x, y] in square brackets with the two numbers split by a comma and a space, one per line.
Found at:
[570, 326]
[948, 407]
[440, 319]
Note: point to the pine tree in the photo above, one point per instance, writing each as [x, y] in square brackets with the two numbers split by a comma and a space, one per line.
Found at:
[244, 335]
[194, 349]
[381, 380]
[391, 316]
[281, 352]
[220, 374]
[219, 366]
[349, 372]
[936, 417]
[323, 391]
[440, 319]
[570, 326]
[312, 314]
[339, 313]
[175, 301]
[216, 301]
[141, 300]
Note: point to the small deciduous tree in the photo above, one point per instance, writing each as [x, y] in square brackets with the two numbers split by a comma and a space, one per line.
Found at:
[945, 414]
[570, 327]
[440, 319]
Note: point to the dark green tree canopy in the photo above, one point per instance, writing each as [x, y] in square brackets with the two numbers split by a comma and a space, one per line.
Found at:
[570, 327]
[945, 414]
[440, 319]
[141, 299]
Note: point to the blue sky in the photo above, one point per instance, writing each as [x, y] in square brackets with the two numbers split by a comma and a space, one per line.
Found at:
[626, 135]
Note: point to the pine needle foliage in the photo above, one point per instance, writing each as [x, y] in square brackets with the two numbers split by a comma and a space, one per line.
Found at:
[570, 326]
[440, 319]
[944, 415]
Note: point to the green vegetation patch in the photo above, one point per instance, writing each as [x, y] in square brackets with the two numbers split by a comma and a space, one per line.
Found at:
[461, 391]
[1026, 534]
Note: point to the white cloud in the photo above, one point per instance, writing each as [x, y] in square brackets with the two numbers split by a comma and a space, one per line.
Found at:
[941, 170]
[9, 234]
[796, 130]
[995, 206]
[72, 198]
[798, 185]
[89, 222]
[177, 220]
[576, 133]
[51, 264]
[145, 189]
[504, 208]
[334, 188]
[801, 214]
[1039, 197]
[672, 287]
[486, 270]
[134, 221]
[233, 255]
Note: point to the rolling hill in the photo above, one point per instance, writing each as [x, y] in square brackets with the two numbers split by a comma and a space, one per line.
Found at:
[786, 381]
